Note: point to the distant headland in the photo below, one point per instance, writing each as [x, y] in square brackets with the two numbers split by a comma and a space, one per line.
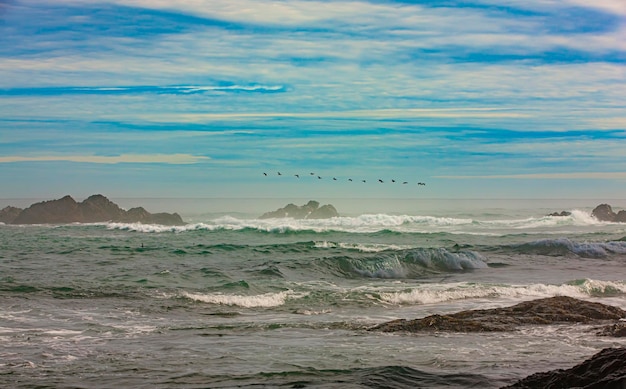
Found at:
[95, 209]
[310, 210]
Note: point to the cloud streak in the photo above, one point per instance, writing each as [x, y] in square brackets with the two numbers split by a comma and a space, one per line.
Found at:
[171, 159]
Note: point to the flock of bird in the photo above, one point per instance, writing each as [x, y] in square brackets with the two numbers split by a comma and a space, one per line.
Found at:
[380, 180]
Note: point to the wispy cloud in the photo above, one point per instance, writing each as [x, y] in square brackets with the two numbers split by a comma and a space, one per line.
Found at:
[549, 176]
[174, 159]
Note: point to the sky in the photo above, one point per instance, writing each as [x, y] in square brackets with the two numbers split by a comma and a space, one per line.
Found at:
[199, 98]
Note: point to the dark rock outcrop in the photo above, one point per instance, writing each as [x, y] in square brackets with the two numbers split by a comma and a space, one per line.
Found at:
[310, 210]
[553, 310]
[94, 209]
[8, 214]
[603, 212]
[606, 369]
[560, 214]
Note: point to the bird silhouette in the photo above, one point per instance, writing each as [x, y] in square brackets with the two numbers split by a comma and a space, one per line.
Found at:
[297, 175]
[393, 180]
[334, 179]
[279, 174]
[363, 181]
[319, 178]
[350, 179]
[381, 181]
[312, 174]
[405, 182]
[265, 174]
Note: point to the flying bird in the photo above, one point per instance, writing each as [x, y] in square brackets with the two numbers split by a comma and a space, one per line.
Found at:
[279, 174]
[363, 181]
[334, 179]
[350, 179]
[297, 175]
[265, 174]
[405, 182]
[393, 180]
[312, 174]
[319, 178]
[379, 180]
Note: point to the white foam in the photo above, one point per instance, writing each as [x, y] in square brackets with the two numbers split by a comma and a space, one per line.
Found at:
[430, 294]
[368, 223]
[362, 247]
[266, 300]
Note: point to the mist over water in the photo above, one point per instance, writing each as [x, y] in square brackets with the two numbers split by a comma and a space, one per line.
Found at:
[232, 300]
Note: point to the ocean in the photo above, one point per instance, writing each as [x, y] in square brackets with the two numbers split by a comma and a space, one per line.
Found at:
[231, 300]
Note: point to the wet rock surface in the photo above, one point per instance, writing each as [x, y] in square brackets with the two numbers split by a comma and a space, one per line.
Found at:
[553, 310]
[606, 370]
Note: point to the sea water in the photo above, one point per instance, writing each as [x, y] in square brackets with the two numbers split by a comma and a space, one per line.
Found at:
[231, 300]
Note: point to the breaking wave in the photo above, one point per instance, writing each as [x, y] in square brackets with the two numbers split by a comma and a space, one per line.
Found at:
[370, 223]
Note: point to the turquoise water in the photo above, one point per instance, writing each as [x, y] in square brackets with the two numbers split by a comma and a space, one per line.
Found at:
[233, 301]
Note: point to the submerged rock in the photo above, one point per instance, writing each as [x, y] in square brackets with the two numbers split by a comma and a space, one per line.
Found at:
[94, 209]
[553, 310]
[606, 369]
[310, 210]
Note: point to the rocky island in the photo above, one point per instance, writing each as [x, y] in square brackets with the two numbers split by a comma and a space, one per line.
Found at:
[310, 210]
[95, 209]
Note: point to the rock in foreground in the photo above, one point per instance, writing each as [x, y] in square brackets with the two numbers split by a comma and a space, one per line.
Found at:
[606, 369]
[310, 210]
[553, 310]
[94, 209]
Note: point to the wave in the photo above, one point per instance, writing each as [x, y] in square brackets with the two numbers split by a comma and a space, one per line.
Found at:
[363, 377]
[265, 300]
[565, 246]
[318, 298]
[402, 264]
[371, 223]
[432, 294]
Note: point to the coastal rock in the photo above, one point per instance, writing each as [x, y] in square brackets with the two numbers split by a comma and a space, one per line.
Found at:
[603, 212]
[606, 369]
[562, 213]
[617, 330]
[94, 209]
[310, 210]
[8, 214]
[553, 310]
[620, 217]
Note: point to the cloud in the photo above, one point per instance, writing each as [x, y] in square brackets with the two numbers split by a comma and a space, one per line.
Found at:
[173, 159]
[551, 176]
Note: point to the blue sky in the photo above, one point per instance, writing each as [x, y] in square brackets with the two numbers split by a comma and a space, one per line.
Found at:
[156, 98]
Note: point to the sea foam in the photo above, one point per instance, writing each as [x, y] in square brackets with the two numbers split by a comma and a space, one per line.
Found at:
[266, 300]
[432, 294]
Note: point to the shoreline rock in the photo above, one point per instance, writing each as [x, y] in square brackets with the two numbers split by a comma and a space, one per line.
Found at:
[552, 310]
[94, 209]
[606, 369]
[310, 210]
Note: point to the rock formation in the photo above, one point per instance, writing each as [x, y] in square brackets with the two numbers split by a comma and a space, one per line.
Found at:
[604, 212]
[8, 214]
[310, 210]
[553, 310]
[560, 214]
[606, 369]
[94, 209]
